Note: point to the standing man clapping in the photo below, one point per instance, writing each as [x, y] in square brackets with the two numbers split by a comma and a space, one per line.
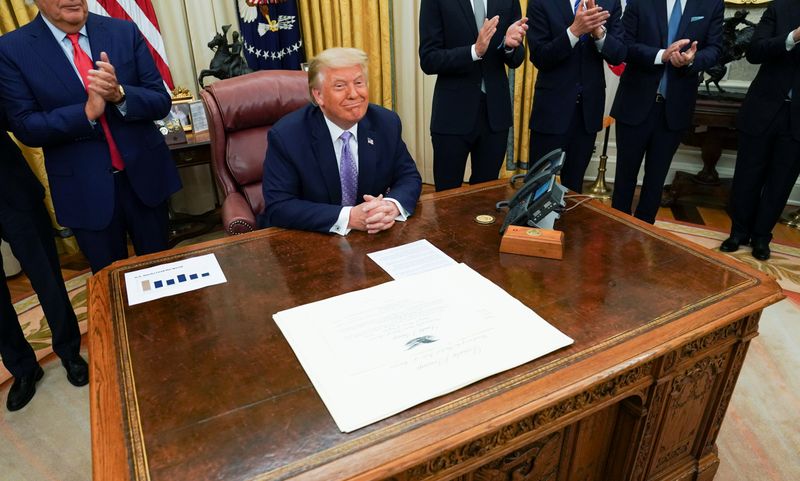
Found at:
[469, 47]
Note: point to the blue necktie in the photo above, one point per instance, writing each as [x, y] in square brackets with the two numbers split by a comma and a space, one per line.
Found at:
[348, 172]
[480, 17]
[672, 31]
[575, 8]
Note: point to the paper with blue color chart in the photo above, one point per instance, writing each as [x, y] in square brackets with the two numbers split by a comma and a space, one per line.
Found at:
[173, 278]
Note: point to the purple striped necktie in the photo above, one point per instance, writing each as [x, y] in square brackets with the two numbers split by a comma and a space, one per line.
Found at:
[348, 171]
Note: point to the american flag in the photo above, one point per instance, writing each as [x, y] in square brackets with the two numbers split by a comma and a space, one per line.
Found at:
[142, 14]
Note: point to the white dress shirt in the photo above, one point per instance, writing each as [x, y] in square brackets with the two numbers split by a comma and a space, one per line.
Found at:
[340, 227]
[83, 41]
[573, 40]
[670, 6]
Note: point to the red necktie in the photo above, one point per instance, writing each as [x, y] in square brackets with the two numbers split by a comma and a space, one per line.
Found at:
[84, 64]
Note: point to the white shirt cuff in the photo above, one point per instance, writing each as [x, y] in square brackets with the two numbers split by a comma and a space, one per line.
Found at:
[403, 213]
[122, 107]
[340, 227]
[474, 53]
[599, 42]
[573, 40]
[659, 55]
[790, 43]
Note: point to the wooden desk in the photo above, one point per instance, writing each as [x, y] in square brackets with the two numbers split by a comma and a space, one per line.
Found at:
[204, 386]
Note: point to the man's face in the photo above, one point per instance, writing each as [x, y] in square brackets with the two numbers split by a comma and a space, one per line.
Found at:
[67, 15]
[343, 95]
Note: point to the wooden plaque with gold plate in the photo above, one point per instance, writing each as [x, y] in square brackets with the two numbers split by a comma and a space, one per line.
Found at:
[531, 241]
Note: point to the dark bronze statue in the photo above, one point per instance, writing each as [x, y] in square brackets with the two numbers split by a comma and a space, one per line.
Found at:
[734, 45]
[228, 60]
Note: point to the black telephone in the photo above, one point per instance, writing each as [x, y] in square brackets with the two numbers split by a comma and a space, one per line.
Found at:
[537, 196]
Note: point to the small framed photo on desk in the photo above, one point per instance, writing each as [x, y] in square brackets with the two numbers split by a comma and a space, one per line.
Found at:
[181, 111]
[198, 113]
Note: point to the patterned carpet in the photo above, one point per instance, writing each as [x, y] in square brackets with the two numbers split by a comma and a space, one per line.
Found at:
[760, 436]
[34, 324]
[759, 440]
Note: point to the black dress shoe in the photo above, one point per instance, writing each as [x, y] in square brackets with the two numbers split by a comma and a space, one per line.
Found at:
[732, 243]
[23, 389]
[761, 250]
[77, 371]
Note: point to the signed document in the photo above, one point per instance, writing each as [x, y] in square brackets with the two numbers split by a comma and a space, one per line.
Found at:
[376, 352]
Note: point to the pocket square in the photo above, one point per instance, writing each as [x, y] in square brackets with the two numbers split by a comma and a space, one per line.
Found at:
[694, 19]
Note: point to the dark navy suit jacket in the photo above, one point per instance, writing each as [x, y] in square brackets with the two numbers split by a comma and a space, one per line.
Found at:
[563, 68]
[779, 71]
[447, 30]
[19, 188]
[301, 184]
[645, 23]
[45, 101]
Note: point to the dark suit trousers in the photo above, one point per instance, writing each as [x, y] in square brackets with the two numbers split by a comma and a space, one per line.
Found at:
[767, 166]
[577, 144]
[147, 227]
[487, 150]
[653, 142]
[31, 238]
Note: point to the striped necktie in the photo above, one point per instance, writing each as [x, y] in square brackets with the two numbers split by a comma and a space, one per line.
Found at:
[672, 32]
[348, 171]
[83, 63]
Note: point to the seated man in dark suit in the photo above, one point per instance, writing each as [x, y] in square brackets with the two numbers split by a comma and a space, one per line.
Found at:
[768, 161]
[25, 225]
[323, 159]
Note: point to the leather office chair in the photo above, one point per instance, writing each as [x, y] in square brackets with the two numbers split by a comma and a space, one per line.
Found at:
[241, 110]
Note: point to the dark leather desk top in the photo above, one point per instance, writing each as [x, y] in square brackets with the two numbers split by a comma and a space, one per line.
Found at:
[210, 389]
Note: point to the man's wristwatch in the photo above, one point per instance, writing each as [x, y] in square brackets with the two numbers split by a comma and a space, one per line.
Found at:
[122, 93]
[603, 28]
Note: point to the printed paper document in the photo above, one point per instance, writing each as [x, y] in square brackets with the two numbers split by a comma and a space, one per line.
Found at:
[173, 278]
[411, 259]
[375, 352]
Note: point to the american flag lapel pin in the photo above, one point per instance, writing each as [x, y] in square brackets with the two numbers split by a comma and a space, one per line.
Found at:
[370, 141]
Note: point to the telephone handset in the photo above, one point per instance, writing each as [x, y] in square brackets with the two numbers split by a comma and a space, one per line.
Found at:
[538, 196]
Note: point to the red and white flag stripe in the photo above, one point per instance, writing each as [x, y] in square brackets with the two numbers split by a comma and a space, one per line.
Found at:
[141, 12]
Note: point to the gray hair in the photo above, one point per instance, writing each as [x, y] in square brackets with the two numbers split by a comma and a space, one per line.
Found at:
[337, 57]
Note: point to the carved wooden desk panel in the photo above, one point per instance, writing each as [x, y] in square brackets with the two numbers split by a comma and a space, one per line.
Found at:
[204, 386]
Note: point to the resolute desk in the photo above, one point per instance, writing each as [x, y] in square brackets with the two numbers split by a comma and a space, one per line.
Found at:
[204, 386]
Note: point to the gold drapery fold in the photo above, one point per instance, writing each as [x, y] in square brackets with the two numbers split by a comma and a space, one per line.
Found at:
[524, 79]
[364, 24]
[14, 14]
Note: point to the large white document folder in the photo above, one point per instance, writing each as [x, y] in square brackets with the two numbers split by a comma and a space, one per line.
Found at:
[378, 351]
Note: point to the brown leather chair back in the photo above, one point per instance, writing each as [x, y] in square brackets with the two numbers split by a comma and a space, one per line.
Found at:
[241, 110]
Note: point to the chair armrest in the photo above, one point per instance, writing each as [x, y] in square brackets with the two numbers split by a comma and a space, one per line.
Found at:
[237, 216]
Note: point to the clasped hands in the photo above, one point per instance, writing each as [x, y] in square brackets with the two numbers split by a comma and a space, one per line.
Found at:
[373, 215]
[589, 18]
[514, 34]
[673, 54]
[103, 87]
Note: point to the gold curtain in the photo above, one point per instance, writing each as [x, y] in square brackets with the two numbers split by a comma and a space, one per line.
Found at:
[524, 78]
[364, 24]
[13, 14]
